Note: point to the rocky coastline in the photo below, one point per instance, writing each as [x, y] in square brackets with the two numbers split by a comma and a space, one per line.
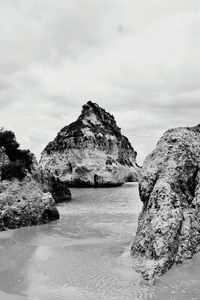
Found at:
[92, 152]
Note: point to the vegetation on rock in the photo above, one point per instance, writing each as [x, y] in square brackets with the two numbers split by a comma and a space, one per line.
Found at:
[20, 161]
[91, 151]
[23, 201]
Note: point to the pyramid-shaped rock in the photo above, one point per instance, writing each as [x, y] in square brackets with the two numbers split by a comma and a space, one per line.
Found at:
[91, 151]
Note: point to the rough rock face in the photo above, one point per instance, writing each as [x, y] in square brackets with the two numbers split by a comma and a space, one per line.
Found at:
[169, 224]
[23, 198]
[91, 151]
[17, 163]
[22, 203]
[58, 189]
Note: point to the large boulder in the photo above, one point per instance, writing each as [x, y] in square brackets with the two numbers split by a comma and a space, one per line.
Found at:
[169, 224]
[17, 164]
[24, 199]
[23, 203]
[91, 151]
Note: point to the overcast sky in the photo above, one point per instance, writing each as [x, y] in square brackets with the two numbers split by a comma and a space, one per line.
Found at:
[138, 59]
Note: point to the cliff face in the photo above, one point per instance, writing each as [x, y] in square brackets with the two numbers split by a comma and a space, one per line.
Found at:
[168, 228]
[23, 198]
[91, 151]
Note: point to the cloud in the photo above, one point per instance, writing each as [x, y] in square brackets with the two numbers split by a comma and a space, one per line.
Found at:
[137, 59]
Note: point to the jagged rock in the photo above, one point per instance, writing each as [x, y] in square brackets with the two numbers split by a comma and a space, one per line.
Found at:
[23, 203]
[91, 151]
[169, 224]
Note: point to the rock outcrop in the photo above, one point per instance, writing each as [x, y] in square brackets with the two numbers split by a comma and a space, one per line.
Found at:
[50, 183]
[23, 203]
[91, 151]
[23, 199]
[169, 225]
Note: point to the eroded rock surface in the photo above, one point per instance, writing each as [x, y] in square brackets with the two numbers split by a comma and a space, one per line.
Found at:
[23, 203]
[91, 151]
[169, 224]
[23, 198]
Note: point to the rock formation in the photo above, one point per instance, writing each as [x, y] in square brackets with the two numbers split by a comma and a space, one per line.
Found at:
[91, 151]
[23, 201]
[169, 225]
[58, 189]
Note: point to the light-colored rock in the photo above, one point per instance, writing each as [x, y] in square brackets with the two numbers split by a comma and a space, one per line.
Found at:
[169, 224]
[91, 151]
[23, 203]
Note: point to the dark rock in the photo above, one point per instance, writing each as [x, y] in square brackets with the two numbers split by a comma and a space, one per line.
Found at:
[168, 227]
[15, 163]
[58, 189]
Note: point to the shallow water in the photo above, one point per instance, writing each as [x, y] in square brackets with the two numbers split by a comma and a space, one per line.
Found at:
[85, 255]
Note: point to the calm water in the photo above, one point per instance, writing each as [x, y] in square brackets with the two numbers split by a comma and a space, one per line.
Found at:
[85, 255]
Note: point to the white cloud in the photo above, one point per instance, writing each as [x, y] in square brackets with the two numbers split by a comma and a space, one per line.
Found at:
[138, 59]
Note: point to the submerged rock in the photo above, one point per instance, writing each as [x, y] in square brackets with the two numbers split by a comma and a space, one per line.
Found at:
[23, 201]
[91, 151]
[169, 224]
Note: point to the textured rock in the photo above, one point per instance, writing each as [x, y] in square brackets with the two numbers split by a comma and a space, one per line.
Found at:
[169, 224]
[58, 189]
[23, 203]
[91, 151]
[17, 164]
[23, 198]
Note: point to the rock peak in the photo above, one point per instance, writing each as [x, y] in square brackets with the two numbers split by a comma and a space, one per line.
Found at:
[91, 151]
[93, 113]
[88, 108]
[91, 106]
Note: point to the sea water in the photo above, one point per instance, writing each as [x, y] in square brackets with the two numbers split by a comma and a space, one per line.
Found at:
[86, 254]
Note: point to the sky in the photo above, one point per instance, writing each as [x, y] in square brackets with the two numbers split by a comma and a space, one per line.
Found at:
[140, 60]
